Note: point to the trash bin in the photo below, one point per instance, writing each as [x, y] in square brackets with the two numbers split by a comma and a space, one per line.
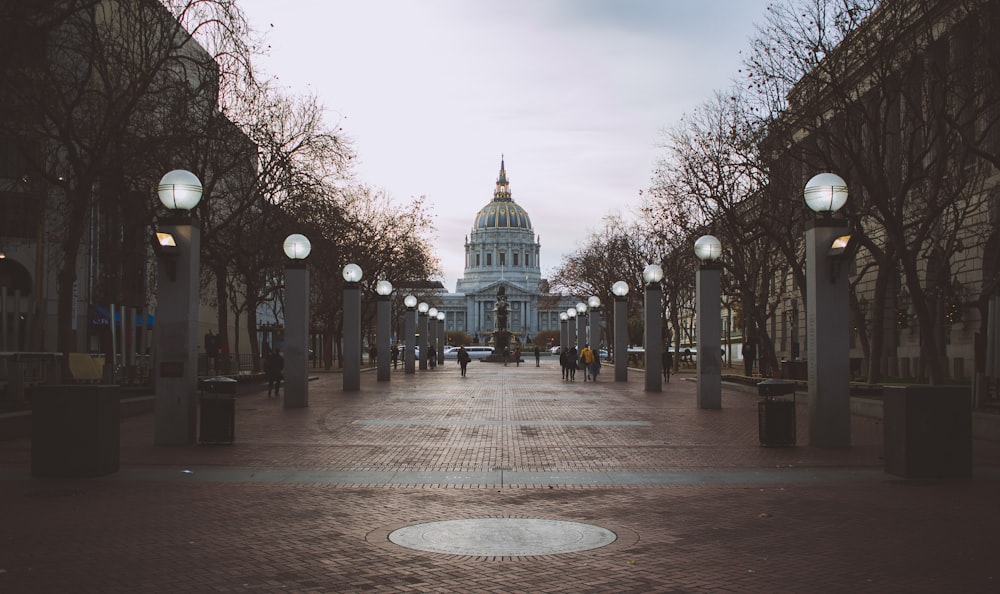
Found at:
[217, 410]
[776, 413]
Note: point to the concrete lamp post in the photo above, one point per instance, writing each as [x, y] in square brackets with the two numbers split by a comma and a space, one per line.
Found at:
[594, 324]
[827, 338]
[422, 309]
[442, 338]
[432, 334]
[297, 248]
[409, 358]
[708, 343]
[383, 312]
[177, 245]
[352, 328]
[620, 291]
[581, 326]
[563, 332]
[652, 275]
[571, 330]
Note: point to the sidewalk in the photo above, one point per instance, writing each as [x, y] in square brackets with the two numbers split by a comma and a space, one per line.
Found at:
[305, 499]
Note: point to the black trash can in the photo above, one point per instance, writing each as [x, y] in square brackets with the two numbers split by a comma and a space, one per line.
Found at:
[776, 413]
[217, 410]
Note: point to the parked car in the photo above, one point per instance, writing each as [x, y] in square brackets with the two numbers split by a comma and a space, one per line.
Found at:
[475, 352]
[555, 350]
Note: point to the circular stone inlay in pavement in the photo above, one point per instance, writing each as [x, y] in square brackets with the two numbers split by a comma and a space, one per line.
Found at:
[502, 537]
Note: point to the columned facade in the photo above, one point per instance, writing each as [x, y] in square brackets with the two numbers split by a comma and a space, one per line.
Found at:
[501, 250]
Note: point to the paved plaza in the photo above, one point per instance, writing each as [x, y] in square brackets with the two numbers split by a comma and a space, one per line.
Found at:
[674, 499]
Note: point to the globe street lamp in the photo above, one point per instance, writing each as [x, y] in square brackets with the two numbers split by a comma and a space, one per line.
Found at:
[594, 323]
[296, 314]
[652, 275]
[422, 309]
[383, 313]
[563, 332]
[620, 291]
[442, 338]
[352, 328]
[571, 330]
[432, 337]
[827, 318]
[708, 341]
[409, 358]
[176, 376]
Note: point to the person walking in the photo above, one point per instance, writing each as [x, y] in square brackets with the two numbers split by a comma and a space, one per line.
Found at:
[517, 356]
[749, 355]
[538, 356]
[394, 354]
[274, 368]
[463, 358]
[586, 359]
[562, 363]
[668, 364]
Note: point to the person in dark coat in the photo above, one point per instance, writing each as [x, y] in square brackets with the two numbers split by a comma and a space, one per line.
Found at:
[274, 368]
[463, 358]
[668, 364]
[538, 356]
[562, 363]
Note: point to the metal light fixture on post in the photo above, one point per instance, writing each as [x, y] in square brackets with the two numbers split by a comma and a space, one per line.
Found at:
[409, 350]
[563, 332]
[652, 275]
[442, 337]
[594, 323]
[383, 312]
[571, 329]
[581, 326]
[176, 373]
[352, 328]
[827, 315]
[296, 314]
[708, 342]
[620, 290]
[422, 309]
[432, 334]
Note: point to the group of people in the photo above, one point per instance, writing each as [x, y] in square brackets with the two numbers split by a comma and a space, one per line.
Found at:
[589, 361]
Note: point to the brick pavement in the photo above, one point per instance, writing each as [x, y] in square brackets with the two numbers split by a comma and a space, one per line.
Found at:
[305, 499]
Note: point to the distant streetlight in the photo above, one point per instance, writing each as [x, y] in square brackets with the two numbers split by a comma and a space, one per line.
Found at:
[383, 313]
[409, 352]
[620, 291]
[708, 341]
[352, 328]
[652, 275]
[594, 324]
[422, 309]
[581, 326]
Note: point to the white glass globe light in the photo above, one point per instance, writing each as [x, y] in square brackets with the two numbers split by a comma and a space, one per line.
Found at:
[352, 273]
[593, 302]
[179, 190]
[297, 246]
[708, 248]
[825, 193]
[652, 274]
[410, 301]
[620, 288]
[383, 287]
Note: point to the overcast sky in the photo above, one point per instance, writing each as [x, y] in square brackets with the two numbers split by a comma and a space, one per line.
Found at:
[573, 93]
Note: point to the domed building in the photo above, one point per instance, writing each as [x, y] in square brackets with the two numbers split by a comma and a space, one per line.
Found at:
[502, 250]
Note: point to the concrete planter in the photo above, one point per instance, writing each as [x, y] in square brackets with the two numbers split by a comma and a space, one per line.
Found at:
[928, 431]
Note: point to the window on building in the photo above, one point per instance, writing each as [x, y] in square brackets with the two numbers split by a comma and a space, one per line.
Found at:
[489, 259]
[477, 260]
[515, 258]
[503, 259]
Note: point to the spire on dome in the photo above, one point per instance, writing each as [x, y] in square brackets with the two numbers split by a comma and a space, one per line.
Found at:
[502, 191]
